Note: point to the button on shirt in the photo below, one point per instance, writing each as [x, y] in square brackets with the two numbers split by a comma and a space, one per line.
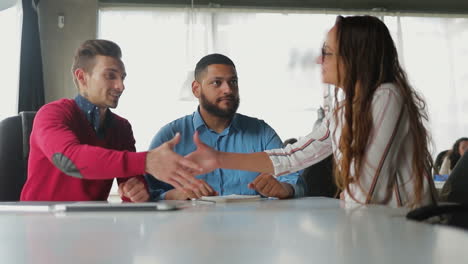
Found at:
[244, 135]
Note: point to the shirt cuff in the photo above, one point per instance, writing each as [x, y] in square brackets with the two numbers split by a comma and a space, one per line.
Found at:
[275, 162]
[298, 190]
[136, 163]
[162, 196]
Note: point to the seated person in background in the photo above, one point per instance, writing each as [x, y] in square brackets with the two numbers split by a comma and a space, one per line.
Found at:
[320, 117]
[78, 146]
[452, 157]
[219, 125]
[438, 161]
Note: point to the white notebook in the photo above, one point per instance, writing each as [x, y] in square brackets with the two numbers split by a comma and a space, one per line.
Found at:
[231, 198]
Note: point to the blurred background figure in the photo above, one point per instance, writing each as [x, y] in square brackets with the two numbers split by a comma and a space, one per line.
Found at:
[320, 117]
[452, 156]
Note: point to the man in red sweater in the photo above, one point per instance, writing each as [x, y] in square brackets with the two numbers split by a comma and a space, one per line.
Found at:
[78, 146]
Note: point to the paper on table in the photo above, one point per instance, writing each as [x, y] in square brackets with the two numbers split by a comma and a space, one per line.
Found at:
[231, 198]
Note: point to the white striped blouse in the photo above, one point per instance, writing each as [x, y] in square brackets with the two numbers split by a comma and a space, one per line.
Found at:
[386, 173]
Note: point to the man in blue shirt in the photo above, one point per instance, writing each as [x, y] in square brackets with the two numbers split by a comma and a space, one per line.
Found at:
[220, 127]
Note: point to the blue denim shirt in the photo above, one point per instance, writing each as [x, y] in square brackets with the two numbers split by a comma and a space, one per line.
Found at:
[244, 135]
[92, 114]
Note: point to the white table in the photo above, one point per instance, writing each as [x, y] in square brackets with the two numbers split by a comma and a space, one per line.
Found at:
[309, 230]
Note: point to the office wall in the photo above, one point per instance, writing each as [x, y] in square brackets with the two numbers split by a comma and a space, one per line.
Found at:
[59, 44]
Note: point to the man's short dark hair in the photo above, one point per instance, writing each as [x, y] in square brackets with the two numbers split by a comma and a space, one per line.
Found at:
[88, 50]
[214, 58]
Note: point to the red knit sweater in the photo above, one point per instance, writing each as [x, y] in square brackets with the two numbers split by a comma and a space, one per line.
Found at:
[68, 162]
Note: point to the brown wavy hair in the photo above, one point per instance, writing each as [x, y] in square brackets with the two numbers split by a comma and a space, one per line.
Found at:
[368, 55]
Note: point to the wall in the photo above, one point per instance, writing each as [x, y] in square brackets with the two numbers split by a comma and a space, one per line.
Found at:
[58, 45]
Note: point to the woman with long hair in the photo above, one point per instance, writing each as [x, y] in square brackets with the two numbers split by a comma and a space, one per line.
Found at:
[376, 131]
[452, 156]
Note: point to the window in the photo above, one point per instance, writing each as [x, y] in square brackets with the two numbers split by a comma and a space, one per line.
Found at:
[275, 53]
[434, 53]
[160, 64]
[10, 19]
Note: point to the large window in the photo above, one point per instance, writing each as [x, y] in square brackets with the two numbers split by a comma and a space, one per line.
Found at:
[275, 53]
[435, 55]
[10, 32]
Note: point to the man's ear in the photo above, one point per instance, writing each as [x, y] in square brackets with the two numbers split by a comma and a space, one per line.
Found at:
[196, 88]
[80, 76]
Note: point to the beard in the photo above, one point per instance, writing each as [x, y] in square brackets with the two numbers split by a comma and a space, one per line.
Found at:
[213, 109]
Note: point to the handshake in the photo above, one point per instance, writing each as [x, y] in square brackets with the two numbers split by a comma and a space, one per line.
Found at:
[166, 165]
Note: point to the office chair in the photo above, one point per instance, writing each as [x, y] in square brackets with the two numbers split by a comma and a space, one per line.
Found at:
[438, 161]
[319, 180]
[453, 210]
[455, 189]
[14, 153]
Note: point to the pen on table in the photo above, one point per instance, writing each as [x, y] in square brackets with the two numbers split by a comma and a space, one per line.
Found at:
[202, 201]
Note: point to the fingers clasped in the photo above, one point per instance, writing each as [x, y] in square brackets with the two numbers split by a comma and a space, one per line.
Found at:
[198, 188]
[269, 186]
[135, 190]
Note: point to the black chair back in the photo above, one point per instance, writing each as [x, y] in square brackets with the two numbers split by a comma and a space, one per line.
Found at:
[438, 161]
[455, 189]
[453, 206]
[319, 180]
[27, 118]
[14, 153]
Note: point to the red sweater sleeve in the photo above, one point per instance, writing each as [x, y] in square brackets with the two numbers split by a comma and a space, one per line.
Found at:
[55, 131]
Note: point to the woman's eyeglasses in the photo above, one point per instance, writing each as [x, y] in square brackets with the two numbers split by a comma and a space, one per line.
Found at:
[325, 53]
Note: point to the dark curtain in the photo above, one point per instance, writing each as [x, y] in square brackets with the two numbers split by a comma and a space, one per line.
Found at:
[31, 83]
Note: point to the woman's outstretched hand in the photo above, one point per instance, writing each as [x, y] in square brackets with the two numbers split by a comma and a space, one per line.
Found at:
[204, 156]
